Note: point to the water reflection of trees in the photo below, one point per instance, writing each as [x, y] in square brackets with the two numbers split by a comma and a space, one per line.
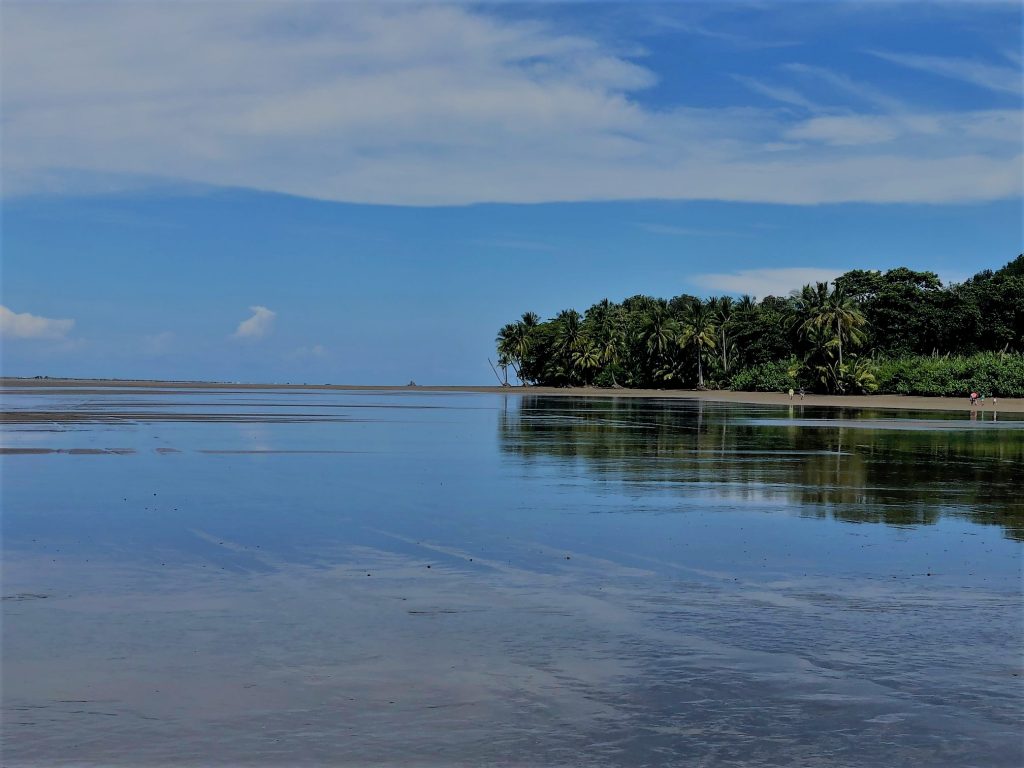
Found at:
[899, 477]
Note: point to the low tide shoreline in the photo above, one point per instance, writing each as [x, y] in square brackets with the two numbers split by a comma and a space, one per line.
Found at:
[897, 402]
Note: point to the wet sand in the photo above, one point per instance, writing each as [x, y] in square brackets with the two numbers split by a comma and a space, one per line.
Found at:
[273, 576]
[897, 402]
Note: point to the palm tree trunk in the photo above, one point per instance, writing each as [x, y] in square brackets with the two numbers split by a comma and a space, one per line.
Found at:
[700, 371]
[839, 332]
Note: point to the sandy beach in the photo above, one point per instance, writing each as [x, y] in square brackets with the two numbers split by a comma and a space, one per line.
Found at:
[897, 402]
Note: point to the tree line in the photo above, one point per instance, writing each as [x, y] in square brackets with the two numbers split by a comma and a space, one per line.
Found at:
[901, 330]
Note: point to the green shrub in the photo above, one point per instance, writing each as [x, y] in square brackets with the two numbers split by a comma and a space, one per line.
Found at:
[988, 373]
[765, 377]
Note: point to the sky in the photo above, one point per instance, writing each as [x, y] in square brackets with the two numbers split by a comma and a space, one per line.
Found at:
[364, 193]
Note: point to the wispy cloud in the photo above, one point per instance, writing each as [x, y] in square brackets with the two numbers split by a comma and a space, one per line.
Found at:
[701, 30]
[22, 325]
[426, 104]
[781, 93]
[839, 82]
[672, 229]
[992, 77]
[765, 282]
[257, 326]
[973, 129]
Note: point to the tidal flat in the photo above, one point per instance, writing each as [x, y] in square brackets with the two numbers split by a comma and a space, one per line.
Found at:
[213, 576]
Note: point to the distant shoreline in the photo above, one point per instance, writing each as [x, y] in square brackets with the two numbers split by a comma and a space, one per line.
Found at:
[899, 402]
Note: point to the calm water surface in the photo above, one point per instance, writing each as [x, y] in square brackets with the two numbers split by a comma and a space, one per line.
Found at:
[212, 577]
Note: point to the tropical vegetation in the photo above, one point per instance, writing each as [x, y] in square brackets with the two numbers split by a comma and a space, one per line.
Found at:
[900, 331]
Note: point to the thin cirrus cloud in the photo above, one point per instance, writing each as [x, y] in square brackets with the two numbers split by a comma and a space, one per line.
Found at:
[765, 282]
[23, 325]
[992, 77]
[442, 104]
[257, 326]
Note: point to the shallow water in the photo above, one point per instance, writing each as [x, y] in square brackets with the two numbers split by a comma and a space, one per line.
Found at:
[252, 577]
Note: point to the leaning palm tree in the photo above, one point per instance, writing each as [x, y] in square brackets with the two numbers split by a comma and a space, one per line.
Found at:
[699, 332]
[513, 345]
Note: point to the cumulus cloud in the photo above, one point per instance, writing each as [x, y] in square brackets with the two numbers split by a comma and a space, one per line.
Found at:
[765, 282]
[22, 325]
[257, 326]
[433, 104]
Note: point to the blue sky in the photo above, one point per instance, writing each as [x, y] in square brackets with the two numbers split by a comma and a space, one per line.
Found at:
[365, 193]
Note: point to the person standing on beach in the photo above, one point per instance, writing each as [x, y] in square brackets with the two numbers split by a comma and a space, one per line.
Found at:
[790, 393]
[974, 398]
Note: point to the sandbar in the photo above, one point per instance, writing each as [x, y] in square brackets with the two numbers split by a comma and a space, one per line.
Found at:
[897, 402]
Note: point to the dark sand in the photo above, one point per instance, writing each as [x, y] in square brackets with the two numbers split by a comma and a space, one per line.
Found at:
[898, 402]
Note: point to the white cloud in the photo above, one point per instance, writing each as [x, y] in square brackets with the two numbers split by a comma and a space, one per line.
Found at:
[846, 131]
[257, 326]
[989, 76]
[22, 325]
[780, 93]
[424, 104]
[765, 282]
[836, 81]
[973, 129]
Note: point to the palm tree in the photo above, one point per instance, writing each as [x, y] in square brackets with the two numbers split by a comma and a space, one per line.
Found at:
[845, 316]
[607, 331]
[586, 358]
[832, 313]
[699, 331]
[513, 344]
[568, 340]
[723, 314]
[659, 332]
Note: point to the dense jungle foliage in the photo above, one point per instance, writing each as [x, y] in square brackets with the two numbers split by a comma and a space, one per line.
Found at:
[899, 331]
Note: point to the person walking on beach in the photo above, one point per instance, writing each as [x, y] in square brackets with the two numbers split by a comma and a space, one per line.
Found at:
[974, 398]
[801, 393]
[790, 393]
